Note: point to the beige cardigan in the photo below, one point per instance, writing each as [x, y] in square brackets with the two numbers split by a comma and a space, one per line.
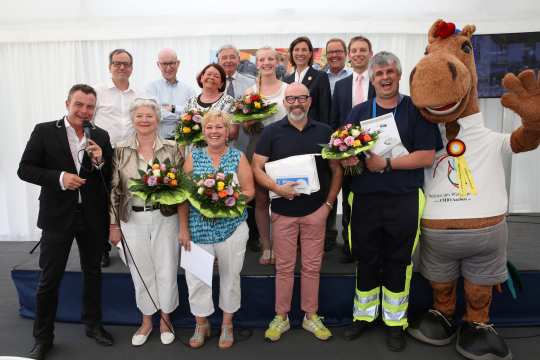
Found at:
[125, 167]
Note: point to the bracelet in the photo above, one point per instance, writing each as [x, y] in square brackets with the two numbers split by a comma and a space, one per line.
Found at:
[329, 204]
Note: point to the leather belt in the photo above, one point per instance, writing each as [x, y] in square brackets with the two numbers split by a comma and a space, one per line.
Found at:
[145, 208]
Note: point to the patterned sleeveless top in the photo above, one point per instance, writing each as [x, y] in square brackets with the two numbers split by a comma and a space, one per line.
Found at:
[211, 231]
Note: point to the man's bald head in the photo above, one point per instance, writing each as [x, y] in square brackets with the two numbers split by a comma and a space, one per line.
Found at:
[297, 102]
[168, 64]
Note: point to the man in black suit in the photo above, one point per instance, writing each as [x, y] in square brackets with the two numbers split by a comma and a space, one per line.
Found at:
[301, 58]
[73, 172]
[349, 92]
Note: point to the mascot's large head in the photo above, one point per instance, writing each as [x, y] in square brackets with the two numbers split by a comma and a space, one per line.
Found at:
[443, 84]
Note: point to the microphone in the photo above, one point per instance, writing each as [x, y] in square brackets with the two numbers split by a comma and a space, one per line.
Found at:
[87, 126]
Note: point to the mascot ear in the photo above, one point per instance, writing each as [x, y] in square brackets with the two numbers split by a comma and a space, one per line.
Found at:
[468, 30]
[432, 34]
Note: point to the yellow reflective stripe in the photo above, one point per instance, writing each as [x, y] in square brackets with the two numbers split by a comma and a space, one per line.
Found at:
[350, 201]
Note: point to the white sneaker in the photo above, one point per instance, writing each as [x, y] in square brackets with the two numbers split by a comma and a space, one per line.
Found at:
[140, 339]
[167, 337]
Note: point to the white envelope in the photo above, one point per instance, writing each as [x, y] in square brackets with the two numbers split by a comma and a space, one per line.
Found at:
[199, 262]
[299, 168]
[389, 142]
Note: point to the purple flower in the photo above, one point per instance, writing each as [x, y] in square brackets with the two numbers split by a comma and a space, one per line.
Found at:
[152, 180]
[209, 183]
[215, 197]
[220, 176]
[229, 190]
[230, 201]
[197, 118]
[173, 170]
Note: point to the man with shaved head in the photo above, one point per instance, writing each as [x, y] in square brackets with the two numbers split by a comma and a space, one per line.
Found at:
[170, 93]
[296, 215]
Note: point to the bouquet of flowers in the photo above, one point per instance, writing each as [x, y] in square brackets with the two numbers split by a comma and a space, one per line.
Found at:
[217, 195]
[189, 129]
[162, 183]
[349, 140]
[253, 107]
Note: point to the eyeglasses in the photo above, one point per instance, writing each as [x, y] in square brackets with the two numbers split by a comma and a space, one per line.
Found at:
[292, 99]
[171, 64]
[118, 64]
[335, 52]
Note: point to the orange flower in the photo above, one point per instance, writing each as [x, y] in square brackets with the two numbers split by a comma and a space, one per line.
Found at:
[173, 183]
[222, 194]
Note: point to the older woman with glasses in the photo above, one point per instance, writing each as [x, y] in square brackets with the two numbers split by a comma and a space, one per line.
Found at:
[272, 90]
[212, 80]
[150, 232]
[224, 238]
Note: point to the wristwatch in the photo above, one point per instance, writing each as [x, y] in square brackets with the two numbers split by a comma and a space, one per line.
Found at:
[388, 167]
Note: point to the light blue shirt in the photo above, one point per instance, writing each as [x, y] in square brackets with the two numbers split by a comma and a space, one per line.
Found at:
[333, 78]
[166, 93]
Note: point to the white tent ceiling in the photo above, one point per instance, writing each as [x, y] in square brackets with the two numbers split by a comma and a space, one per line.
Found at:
[65, 20]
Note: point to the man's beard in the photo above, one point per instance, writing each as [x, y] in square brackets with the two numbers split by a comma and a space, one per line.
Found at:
[296, 117]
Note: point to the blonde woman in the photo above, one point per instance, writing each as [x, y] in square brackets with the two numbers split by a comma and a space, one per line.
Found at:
[273, 90]
[224, 238]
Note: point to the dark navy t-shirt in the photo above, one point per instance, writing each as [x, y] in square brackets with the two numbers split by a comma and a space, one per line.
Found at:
[416, 134]
[280, 140]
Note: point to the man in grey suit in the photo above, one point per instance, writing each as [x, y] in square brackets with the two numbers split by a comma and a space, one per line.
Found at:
[237, 84]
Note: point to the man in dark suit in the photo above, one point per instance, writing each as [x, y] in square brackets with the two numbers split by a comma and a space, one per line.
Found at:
[301, 58]
[73, 172]
[349, 92]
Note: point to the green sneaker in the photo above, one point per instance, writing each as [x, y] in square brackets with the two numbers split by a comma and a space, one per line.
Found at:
[277, 327]
[315, 325]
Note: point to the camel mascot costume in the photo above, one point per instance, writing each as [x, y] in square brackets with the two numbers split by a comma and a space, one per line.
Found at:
[464, 229]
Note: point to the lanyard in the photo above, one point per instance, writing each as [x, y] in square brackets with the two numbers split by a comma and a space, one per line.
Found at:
[374, 109]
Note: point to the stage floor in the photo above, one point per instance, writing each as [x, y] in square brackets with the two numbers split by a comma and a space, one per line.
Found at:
[523, 252]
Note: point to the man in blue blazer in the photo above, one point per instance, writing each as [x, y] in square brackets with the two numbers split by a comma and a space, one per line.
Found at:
[346, 95]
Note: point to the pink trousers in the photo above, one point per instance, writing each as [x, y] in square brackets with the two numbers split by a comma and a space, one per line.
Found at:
[285, 233]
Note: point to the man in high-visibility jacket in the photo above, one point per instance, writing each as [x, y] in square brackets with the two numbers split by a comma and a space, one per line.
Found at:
[387, 203]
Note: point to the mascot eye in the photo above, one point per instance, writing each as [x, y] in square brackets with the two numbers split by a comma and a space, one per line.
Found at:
[466, 47]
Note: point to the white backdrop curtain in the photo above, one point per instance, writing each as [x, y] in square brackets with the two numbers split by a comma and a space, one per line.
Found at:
[35, 78]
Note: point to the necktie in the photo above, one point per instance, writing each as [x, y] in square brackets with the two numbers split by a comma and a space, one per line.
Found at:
[230, 87]
[358, 91]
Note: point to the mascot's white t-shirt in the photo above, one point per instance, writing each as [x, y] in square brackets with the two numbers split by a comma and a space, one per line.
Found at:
[484, 155]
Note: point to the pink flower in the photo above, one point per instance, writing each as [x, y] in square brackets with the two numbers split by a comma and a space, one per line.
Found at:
[173, 170]
[220, 176]
[197, 118]
[229, 190]
[215, 197]
[230, 201]
[348, 126]
[166, 180]
[209, 183]
[343, 147]
[349, 140]
[337, 142]
[162, 167]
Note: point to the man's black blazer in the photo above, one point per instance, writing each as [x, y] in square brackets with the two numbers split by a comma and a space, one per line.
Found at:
[319, 89]
[46, 155]
[342, 100]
